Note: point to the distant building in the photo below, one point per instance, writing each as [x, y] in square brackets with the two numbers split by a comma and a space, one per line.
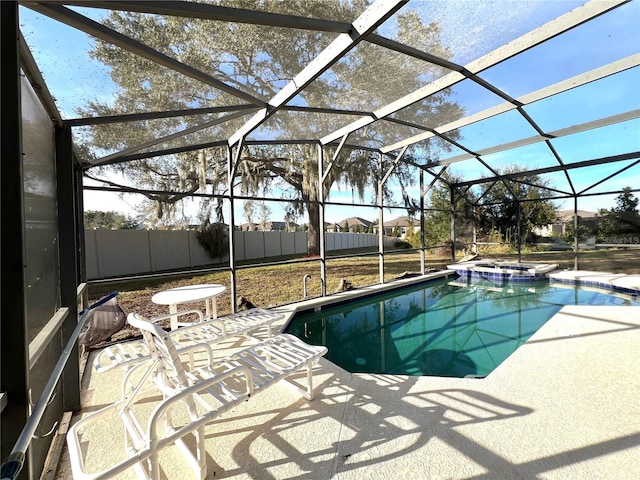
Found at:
[351, 225]
[564, 218]
[402, 225]
[270, 227]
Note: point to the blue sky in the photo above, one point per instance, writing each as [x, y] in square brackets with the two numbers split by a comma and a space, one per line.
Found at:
[74, 79]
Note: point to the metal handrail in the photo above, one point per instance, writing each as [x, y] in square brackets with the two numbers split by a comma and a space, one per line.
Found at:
[12, 466]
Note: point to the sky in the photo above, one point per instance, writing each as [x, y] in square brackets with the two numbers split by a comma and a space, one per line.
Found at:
[73, 78]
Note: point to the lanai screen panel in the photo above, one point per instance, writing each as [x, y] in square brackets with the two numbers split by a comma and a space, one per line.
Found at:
[300, 125]
[527, 84]
[470, 30]
[595, 43]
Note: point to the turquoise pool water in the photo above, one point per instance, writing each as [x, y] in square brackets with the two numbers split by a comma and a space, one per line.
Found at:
[443, 328]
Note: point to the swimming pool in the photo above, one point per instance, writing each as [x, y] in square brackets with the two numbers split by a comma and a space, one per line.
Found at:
[442, 328]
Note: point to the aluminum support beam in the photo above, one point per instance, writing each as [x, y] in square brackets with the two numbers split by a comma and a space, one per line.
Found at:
[335, 156]
[365, 24]
[233, 165]
[452, 222]
[68, 258]
[214, 12]
[232, 162]
[422, 254]
[434, 87]
[519, 227]
[493, 111]
[13, 332]
[563, 132]
[114, 156]
[136, 117]
[32, 72]
[608, 177]
[218, 143]
[555, 168]
[575, 233]
[527, 41]
[380, 224]
[555, 27]
[159, 153]
[474, 249]
[95, 29]
[322, 246]
[393, 165]
[79, 199]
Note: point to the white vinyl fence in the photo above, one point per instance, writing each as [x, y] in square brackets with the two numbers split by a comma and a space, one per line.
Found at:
[113, 253]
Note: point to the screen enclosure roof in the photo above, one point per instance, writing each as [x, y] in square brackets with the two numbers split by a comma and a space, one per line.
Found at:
[477, 88]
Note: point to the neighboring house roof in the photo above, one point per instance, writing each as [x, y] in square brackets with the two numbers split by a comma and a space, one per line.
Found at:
[280, 225]
[268, 226]
[353, 221]
[402, 222]
[565, 216]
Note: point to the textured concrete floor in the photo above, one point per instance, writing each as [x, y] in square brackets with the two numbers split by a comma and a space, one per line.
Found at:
[564, 406]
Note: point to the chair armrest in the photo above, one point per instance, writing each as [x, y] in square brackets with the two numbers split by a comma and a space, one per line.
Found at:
[190, 349]
[220, 323]
[203, 417]
[74, 443]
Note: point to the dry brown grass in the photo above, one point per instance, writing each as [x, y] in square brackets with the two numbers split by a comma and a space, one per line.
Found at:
[611, 261]
[268, 286]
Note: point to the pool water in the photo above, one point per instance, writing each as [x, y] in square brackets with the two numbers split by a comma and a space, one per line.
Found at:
[443, 328]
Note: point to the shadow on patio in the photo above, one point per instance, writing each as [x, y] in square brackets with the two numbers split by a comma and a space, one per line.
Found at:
[555, 409]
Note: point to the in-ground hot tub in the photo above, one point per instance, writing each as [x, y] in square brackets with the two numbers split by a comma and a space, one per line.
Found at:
[503, 270]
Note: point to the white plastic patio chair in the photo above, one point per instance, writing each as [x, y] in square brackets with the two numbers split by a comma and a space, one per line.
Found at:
[126, 354]
[194, 396]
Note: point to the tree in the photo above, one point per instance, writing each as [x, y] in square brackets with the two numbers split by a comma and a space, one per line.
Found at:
[583, 231]
[290, 218]
[259, 61]
[110, 220]
[493, 210]
[249, 212]
[516, 198]
[437, 218]
[626, 202]
[622, 219]
[264, 212]
[213, 238]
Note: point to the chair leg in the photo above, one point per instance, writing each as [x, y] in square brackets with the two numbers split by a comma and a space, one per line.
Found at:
[197, 459]
[309, 393]
[154, 466]
[201, 453]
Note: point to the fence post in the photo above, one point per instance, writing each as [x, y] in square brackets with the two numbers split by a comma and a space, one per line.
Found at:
[151, 267]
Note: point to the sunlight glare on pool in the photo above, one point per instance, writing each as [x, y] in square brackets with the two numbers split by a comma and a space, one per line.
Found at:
[445, 328]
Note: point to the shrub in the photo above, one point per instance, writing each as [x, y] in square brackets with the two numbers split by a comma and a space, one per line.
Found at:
[213, 238]
[413, 237]
[401, 244]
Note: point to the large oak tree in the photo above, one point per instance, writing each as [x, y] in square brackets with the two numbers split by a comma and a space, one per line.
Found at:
[260, 60]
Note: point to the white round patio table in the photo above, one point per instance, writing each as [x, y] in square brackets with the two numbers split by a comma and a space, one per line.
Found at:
[206, 292]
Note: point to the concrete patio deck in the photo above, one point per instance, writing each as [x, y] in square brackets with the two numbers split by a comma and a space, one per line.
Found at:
[564, 406]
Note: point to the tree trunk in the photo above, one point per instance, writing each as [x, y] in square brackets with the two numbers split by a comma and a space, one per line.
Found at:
[313, 233]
